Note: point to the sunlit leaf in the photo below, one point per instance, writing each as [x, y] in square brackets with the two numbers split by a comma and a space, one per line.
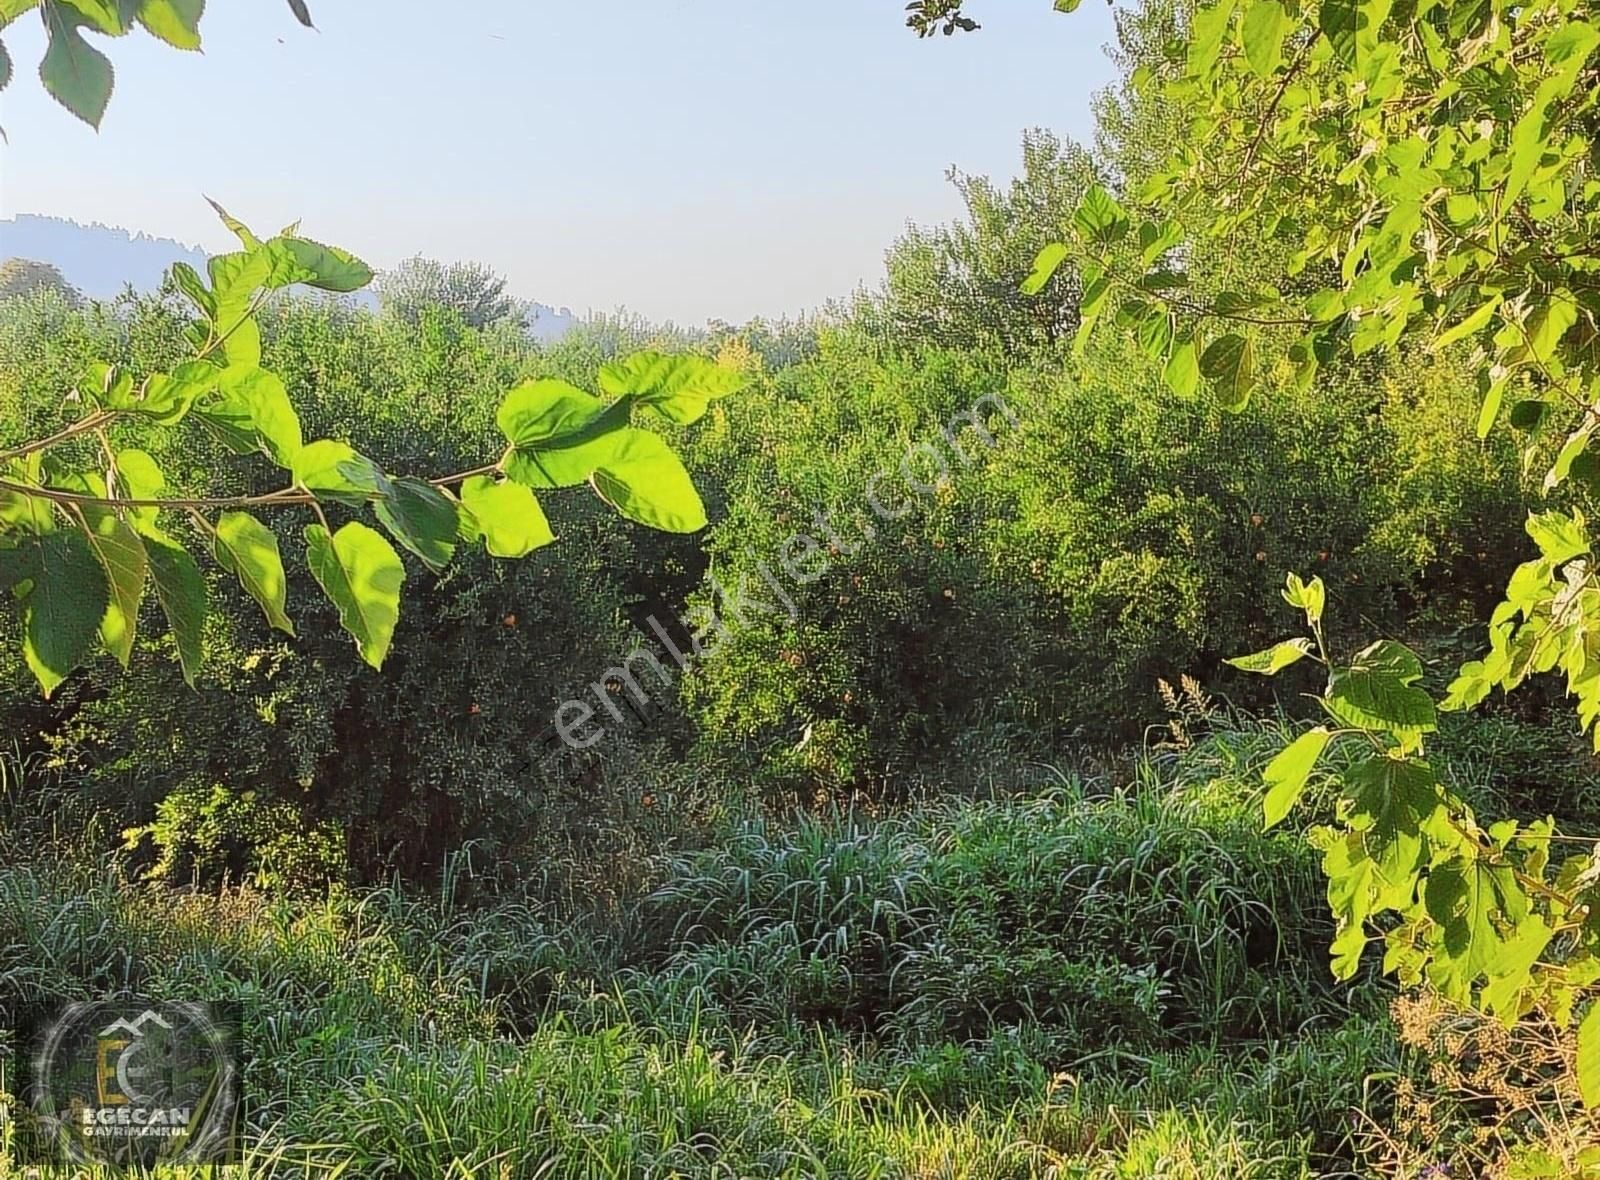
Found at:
[335, 469]
[251, 411]
[1099, 216]
[1044, 268]
[506, 516]
[541, 411]
[248, 549]
[1182, 370]
[1287, 774]
[177, 22]
[1264, 28]
[678, 388]
[362, 575]
[647, 483]
[327, 268]
[1275, 658]
[1560, 536]
[1379, 692]
[121, 555]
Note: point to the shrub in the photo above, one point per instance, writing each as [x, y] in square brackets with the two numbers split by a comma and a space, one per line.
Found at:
[451, 743]
[1108, 538]
[420, 285]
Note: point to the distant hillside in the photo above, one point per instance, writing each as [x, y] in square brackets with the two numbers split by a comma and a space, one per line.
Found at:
[96, 259]
[100, 260]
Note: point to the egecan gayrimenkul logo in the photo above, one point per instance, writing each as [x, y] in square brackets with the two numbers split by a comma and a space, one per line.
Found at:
[132, 1082]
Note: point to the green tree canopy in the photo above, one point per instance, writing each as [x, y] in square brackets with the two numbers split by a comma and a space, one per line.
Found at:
[24, 276]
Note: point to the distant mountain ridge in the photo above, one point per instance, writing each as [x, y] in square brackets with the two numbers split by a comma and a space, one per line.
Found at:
[100, 260]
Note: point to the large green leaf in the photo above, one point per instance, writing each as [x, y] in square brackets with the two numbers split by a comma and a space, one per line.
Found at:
[327, 268]
[569, 458]
[1512, 970]
[1560, 536]
[251, 411]
[1264, 28]
[646, 482]
[1286, 775]
[236, 277]
[361, 574]
[1182, 371]
[1229, 363]
[1045, 266]
[1473, 902]
[335, 470]
[248, 549]
[1275, 658]
[121, 555]
[1210, 28]
[506, 515]
[141, 479]
[181, 590]
[168, 397]
[422, 518]
[1378, 692]
[63, 607]
[1099, 217]
[678, 388]
[76, 74]
[236, 280]
[544, 411]
[1396, 809]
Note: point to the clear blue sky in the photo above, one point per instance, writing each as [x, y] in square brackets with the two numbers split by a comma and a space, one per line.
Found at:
[685, 158]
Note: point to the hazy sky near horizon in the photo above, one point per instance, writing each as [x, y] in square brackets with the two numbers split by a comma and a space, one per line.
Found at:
[687, 159]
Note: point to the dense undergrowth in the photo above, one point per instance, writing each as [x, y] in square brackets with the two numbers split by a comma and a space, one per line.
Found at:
[1113, 974]
[1092, 980]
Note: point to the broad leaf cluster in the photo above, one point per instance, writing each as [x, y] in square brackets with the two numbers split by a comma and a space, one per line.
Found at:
[77, 74]
[1430, 169]
[1491, 915]
[88, 528]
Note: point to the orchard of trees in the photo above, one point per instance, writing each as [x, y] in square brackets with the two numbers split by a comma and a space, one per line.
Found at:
[1198, 779]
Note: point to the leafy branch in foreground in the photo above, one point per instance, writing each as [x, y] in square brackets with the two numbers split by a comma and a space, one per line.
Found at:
[85, 521]
[78, 75]
[1430, 173]
[1486, 915]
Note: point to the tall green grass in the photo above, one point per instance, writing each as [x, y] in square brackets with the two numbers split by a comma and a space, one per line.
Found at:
[1089, 982]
